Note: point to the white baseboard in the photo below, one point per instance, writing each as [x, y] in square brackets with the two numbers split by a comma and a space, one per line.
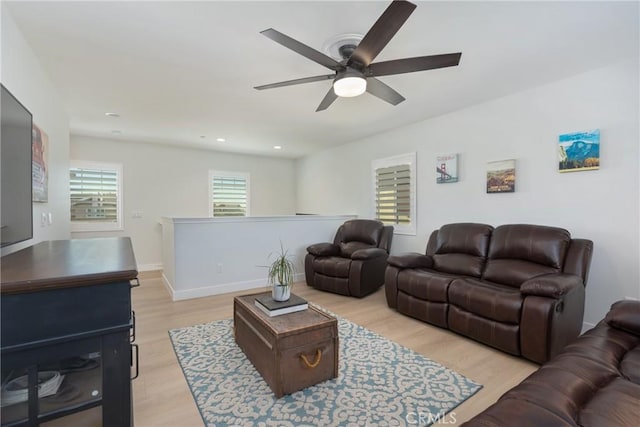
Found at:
[167, 284]
[150, 267]
[224, 288]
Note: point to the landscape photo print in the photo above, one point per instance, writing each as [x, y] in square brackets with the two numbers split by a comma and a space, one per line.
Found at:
[501, 176]
[579, 151]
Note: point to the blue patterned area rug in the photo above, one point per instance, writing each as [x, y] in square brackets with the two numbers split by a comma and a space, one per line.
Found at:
[380, 383]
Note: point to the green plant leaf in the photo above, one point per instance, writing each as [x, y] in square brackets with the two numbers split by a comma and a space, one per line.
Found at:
[282, 269]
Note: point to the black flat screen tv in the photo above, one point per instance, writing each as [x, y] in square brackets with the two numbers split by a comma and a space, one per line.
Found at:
[16, 209]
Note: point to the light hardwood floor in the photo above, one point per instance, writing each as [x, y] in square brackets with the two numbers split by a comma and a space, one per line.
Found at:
[162, 397]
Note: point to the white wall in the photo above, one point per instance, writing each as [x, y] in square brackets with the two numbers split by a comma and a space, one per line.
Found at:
[600, 205]
[209, 256]
[23, 76]
[161, 180]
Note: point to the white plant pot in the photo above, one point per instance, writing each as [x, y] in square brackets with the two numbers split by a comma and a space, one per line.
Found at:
[281, 293]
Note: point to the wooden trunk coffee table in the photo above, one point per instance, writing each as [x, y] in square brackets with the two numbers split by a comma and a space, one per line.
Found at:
[291, 351]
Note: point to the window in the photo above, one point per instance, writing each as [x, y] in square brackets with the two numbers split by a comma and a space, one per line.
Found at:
[395, 192]
[229, 194]
[96, 196]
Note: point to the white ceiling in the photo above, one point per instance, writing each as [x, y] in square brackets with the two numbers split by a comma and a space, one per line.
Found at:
[176, 71]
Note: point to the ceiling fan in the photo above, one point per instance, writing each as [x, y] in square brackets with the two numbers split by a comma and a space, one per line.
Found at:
[357, 72]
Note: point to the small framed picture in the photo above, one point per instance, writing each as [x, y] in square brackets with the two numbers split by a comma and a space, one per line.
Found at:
[501, 176]
[446, 168]
[579, 151]
[39, 165]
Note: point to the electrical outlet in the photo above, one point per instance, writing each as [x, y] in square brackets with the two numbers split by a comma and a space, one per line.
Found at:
[136, 214]
[50, 218]
[43, 219]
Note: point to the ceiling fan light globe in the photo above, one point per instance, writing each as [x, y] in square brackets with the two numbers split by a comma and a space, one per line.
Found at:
[348, 87]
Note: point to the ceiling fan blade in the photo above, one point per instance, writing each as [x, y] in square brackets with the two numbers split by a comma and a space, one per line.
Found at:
[410, 65]
[328, 100]
[381, 32]
[302, 49]
[296, 82]
[376, 88]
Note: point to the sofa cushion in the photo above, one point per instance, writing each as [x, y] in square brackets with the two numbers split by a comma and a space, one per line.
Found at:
[535, 243]
[425, 284]
[503, 336]
[361, 230]
[625, 315]
[514, 272]
[427, 311]
[348, 248]
[489, 300]
[519, 252]
[460, 264]
[337, 285]
[332, 266]
[464, 238]
[630, 366]
[462, 248]
[598, 411]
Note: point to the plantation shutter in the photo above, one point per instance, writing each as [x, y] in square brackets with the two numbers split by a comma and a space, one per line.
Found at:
[94, 194]
[229, 196]
[393, 194]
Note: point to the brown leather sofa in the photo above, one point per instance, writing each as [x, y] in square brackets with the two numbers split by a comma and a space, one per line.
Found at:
[518, 287]
[354, 263]
[594, 382]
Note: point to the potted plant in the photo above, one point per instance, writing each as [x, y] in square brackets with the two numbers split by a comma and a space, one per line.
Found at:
[281, 273]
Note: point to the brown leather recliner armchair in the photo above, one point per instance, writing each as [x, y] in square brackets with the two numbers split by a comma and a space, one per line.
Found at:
[354, 263]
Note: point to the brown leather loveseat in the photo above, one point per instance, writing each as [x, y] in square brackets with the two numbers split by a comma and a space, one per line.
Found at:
[518, 287]
[354, 264]
[594, 382]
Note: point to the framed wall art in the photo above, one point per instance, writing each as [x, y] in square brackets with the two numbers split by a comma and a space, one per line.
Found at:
[446, 168]
[39, 165]
[579, 151]
[501, 176]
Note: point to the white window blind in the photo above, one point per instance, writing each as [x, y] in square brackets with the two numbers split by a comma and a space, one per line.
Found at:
[393, 194]
[95, 192]
[229, 194]
[394, 183]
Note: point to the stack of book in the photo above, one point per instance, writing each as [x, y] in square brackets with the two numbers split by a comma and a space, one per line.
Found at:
[276, 308]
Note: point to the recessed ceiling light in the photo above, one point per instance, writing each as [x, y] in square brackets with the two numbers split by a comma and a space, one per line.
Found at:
[112, 114]
[220, 139]
[116, 132]
[277, 147]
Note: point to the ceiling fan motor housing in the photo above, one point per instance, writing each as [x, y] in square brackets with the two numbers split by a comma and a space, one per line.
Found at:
[346, 51]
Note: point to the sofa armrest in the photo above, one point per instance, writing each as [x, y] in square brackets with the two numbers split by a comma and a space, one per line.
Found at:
[368, 253]
[324, 249]
[625, 315]
[555, 285]
[411, 260]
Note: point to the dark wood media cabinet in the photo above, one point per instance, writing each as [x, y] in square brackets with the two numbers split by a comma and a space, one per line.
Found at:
[66, 309]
